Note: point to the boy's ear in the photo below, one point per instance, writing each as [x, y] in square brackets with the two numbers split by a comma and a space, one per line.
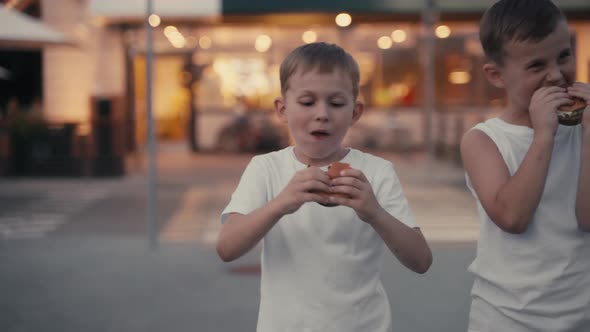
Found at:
[493, 74]
[358, 110]
[280, 109]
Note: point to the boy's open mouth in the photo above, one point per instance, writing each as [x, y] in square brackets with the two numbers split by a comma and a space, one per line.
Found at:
[320, 133]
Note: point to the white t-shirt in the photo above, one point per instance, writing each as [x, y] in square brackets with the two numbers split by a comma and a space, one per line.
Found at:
[539, 280]
[320, 265]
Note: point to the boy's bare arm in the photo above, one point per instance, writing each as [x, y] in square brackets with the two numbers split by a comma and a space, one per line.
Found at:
[240, 233]
[510, 201]
[583, 195]
[582, 90]
[406, 243]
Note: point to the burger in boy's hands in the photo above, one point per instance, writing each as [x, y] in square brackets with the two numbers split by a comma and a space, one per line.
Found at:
[334, 171]
[571, 115]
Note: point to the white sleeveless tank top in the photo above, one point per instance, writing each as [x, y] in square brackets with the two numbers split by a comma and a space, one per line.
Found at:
[538, 280]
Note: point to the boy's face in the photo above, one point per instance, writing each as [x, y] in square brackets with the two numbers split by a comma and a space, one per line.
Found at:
[529, 66]
[318, 109]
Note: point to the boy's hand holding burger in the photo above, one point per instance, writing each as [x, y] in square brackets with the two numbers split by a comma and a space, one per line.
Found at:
[334, 170]
[350, 189]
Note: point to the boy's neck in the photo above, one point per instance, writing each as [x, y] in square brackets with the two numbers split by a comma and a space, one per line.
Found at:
[337, 156]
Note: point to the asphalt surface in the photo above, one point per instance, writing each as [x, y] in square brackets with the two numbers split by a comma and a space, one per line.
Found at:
[74, 254]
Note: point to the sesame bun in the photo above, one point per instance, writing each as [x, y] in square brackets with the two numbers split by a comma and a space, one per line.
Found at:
[571, 115]
[335, 168]
[333, 172]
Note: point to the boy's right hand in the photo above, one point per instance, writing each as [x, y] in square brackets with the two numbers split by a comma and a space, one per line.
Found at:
[302, 188]
[543, 108]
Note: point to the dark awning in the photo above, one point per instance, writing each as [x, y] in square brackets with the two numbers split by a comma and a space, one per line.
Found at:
[183, 10]
[373, 6]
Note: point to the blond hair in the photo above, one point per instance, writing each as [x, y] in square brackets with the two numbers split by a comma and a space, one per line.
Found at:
[323, 57]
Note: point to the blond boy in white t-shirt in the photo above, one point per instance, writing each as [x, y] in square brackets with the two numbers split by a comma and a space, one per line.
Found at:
[321, 265]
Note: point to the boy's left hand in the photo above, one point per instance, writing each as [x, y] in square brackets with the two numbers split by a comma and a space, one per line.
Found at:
[582, 90]
[362, 199]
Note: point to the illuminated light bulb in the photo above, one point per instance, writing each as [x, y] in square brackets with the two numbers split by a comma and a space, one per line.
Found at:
[309, 36]
[170, 30]
[154, 20]
[343, 20]
[205, 42]
[399, 36]
[263, 43]
[442, 31]
[459, 77]
[384, 42]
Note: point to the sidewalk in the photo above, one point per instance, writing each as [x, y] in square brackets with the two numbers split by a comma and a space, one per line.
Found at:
[439, 197]
[202, 184]
[435, 189]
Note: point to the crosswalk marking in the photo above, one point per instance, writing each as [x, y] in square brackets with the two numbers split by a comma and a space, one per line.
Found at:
[45, 214]
[441, 220]
[182, 226]
[197, 217]
[194, 220]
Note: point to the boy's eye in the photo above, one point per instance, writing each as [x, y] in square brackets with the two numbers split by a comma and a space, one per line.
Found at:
[535, 65]
[564, 55]
[337, 102]
[306, 103]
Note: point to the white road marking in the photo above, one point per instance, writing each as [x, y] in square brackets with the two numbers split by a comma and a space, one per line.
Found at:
[46, 213]
[195, 220]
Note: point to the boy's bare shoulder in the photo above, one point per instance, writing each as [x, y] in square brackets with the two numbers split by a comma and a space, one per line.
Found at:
[370, 160]
[475, 139]
[476, 144]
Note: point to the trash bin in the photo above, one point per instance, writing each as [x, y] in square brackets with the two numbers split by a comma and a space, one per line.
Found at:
[45, 150]
[5, 160]
[108, 157]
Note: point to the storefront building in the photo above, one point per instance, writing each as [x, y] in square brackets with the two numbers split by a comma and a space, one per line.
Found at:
[216, 63]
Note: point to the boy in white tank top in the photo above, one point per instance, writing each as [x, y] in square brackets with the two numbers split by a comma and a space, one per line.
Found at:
[531, 178]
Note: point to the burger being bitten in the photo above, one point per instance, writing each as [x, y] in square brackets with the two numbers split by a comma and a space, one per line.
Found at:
[571, 115]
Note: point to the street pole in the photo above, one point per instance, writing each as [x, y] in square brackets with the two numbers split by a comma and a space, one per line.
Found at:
[152, 210]
[429, 18]
[192, 131]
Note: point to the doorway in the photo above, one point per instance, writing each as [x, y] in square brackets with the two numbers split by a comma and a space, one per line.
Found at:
[171, 98]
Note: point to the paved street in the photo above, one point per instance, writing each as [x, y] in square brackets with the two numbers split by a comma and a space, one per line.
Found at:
[74, 253]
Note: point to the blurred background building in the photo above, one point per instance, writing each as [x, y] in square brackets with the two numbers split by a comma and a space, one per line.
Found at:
[216, 71]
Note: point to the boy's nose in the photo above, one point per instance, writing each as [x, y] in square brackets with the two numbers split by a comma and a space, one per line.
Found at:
[321, 113]
[555, 76]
